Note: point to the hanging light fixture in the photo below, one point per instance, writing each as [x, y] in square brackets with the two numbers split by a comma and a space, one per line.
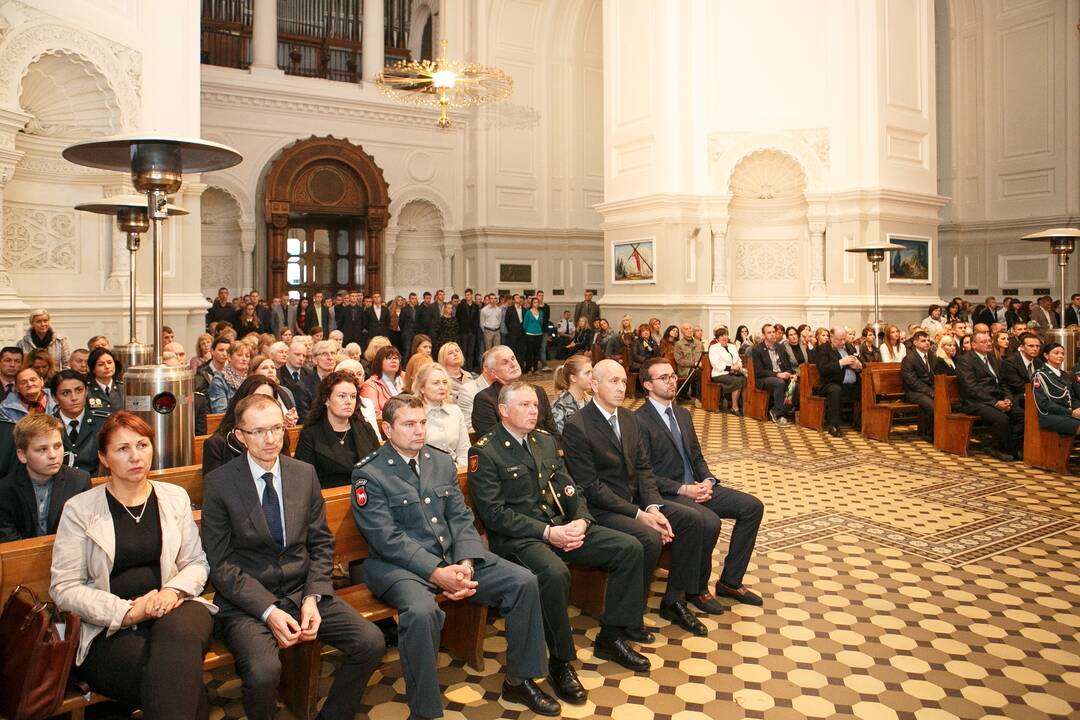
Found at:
[444, 84]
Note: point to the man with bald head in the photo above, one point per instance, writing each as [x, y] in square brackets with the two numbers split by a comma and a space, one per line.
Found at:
[607, 460]
[839, 367]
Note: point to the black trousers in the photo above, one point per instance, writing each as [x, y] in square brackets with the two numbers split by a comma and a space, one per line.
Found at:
[259, 667]
[467, 342]
[532, 352]
[686, 548]
[728, 504]
[1007, 428]
[926, 407]
[837, 395]
[778, 388]
[155, 665]
[616, 552]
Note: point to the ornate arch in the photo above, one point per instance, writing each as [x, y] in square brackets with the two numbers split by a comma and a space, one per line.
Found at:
[324, 176]
[408, 195]
[809, 148]
[118, 65]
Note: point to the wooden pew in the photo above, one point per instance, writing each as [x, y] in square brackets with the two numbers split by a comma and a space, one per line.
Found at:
[1044, 449]
[631, 377]
[212, 422]
[710, 391]
[883, 401]
[811, 407]
[952, 429]
[755, 402]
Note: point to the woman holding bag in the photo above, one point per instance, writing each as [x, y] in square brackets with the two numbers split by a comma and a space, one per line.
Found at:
[128, 560]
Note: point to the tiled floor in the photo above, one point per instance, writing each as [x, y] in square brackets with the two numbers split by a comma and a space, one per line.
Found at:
[900, 582]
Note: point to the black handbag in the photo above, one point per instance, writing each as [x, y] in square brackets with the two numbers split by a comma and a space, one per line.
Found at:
[37, 649]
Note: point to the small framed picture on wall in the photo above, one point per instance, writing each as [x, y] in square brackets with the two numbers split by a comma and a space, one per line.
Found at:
[910, 265]
[633, 261]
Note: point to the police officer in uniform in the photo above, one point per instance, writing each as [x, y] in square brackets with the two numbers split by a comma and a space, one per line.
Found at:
[1056, 393]
[535, 516]
[81, 422]
[408, 504]
[109, 397]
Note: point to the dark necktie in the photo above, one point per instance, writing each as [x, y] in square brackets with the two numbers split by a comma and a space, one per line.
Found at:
[525, 444]
[986, 359]
[676, 435]
[73, 433]
[614, 421]
[271, 507]
[295, 376]
[414, 468]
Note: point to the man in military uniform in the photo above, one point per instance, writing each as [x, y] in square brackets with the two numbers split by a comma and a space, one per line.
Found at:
[81, 423]
[535, 516]
[408, 504]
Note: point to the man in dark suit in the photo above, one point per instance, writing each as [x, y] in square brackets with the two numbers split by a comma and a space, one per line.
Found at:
[987, 315]
[348, 318]
[917, 375]
[271, 554]
[536, 516]
[607, 460]
[376, 318]
[317, 316]
[1072, 312]
[773, 372]
[407, 320]
[427, 314]
[1018, 368]
[81, 424]
[468, 320]
[515, 334]
[262, 311]
[221, 309]
[839, 367]
[292, 375]
[32, 496]
[978, 374]
[671, 443]
[408, 504]
[502, 363]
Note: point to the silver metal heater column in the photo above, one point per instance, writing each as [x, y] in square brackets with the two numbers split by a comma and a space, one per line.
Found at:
[161, 395]
[1062, 243]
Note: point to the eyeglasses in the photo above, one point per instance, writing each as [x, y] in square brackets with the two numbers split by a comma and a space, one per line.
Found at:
[268, 432]
[666, 378]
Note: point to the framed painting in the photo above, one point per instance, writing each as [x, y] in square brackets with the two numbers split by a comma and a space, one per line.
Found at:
[633, 261]
[910, 265]
[515, 273]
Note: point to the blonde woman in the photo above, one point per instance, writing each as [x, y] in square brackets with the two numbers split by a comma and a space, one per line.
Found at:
[201, 356]
[945, 361]
[446, 426]
[573, 380]
[453, 361]
[412, 368]
[374, 345]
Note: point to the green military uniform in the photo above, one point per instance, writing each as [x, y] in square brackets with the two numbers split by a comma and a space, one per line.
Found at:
[83, 451]
[415, 522]
[518, 494]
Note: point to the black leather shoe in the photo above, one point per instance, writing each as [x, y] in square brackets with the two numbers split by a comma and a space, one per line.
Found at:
[639, 635]
[565, 682]
[678, 613]
[835, 431]
[529, 694]
[999, 455]
[618, 651]
[739, 594]
[706, 603]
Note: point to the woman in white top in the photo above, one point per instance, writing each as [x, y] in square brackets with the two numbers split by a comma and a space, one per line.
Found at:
[452, 360]
[933, 323]
[367, 408]
[446, 428]
[892, 349]
[727, 368]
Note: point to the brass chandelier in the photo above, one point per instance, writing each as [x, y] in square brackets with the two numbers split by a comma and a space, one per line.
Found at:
[444, 84]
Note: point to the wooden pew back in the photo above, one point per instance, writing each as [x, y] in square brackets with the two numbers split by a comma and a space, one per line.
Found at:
[1043, 449]
[213, 420]
[756, 402]
[188, 477]
[811, 406]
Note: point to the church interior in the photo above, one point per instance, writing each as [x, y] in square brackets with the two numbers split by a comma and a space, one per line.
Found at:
[716, 163]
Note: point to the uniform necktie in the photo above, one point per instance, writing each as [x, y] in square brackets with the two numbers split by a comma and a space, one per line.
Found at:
[414, 468]
[676, 435]
[525, 444]
[73, 433]
[614, 420]
[271, 507]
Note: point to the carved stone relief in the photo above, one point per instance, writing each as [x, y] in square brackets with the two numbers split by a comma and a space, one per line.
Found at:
[767, 260]
[218, 272]
[410, 273]
[37, 239]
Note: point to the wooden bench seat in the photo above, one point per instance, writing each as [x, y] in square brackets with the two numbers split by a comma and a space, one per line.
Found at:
[711, 392]
[952, 429]
[811, 407]
[1044, 449]
[883, 401]
[755, 402]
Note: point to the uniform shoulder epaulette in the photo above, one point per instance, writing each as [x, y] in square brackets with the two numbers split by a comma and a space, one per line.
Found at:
[102, 414]
[367, 459]
[541, 430]
[435, 447]
[485, 439]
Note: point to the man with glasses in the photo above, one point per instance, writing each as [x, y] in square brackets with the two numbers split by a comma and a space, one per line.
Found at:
[683, 476]
[271, 553]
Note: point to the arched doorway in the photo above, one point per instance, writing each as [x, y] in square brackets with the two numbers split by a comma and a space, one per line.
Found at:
[326, 204]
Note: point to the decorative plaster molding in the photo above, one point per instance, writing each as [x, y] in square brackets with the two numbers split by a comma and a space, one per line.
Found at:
[39, 240]
[218, 272]
[767, 260]
[409, 272]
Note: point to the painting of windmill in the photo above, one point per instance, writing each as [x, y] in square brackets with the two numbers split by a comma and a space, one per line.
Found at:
[634, 261]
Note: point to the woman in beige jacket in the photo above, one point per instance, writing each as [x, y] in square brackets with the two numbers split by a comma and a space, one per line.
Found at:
[128, 560]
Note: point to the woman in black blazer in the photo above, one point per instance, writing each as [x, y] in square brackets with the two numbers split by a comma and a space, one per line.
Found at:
[223, 446]
[335, 436]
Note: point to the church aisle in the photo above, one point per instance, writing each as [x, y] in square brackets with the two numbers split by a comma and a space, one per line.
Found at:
[899, 582]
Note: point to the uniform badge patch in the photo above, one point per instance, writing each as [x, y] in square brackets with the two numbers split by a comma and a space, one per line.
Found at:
[569, 491]
[361, 495]
[474, 463]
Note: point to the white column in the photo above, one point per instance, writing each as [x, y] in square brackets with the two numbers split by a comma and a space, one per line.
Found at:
[11, 122]
[373, 50]
[119, 274]
[389, 249]
[817, 257]
[247, 256]
[719, 258]
[264, 35]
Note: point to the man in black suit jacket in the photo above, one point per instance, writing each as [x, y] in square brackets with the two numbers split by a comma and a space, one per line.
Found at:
[773, 372]
[1018, 368]
[607, 460]
[917, 375]
[271, 554]
[32, 496]
[347, 317]
[502, 363]
[468, 320]
[839, 367]
[407, 320]
[671, 442]
[1072, 312]
[427, 315]
[377, 318]
[982, 393]
[515, 334]
[987, 315]
[292, 375]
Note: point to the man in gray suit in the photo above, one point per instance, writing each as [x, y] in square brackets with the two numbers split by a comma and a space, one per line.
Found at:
[408, 504]
[587, 309]
[270, 551]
